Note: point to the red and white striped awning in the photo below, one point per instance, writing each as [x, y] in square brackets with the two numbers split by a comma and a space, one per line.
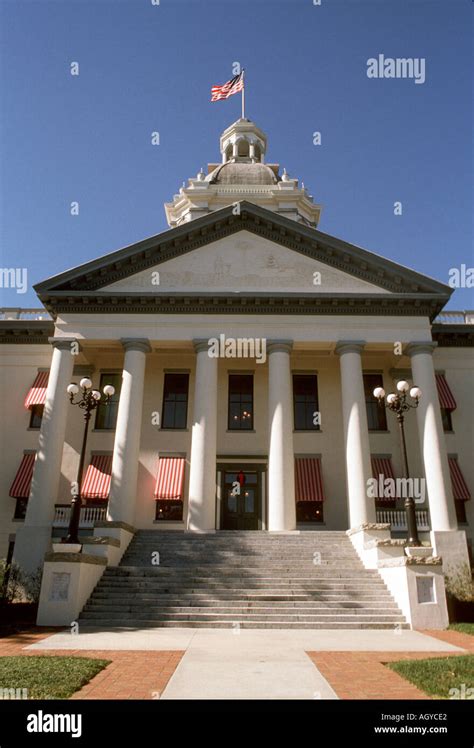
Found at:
[20, 488]
[37, 392]
[446, 397]
[460, 490]
[308, 479]
[382, 466]
[96, 483]
[170, 478]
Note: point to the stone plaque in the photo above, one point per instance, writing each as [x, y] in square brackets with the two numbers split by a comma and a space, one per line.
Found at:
[425, 589]
[60, 586]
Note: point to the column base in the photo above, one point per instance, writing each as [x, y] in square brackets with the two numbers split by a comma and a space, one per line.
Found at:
[31, 544]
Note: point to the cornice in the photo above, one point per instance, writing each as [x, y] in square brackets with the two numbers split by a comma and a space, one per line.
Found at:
[453, 336]
[26, 332]
[423, 305]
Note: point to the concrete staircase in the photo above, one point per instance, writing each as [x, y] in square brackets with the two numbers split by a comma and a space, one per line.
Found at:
[242, 579]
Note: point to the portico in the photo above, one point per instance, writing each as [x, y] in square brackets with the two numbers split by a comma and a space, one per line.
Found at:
[267, 451]
[276, 430]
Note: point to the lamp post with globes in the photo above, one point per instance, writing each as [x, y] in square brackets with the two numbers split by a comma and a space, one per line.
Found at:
[399, 404]
[88, 401]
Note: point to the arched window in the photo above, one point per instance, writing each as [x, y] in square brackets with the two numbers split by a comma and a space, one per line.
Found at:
[243, 148]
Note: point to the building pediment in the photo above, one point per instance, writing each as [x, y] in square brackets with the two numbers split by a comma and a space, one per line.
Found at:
[241, 263]
[254, 252]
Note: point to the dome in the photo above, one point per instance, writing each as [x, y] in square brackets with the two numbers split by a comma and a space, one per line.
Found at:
[243, 173]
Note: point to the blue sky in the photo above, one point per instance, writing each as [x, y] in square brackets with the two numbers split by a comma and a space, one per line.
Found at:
[146, 68]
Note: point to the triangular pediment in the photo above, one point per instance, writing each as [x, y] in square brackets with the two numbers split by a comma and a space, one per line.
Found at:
[255, 252]
[242, 263]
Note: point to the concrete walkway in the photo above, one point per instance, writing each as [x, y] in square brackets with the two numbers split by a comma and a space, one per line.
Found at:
[250, 664]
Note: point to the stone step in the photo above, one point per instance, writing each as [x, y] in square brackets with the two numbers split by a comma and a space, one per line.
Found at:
[181, 591]
[381, 601]
[245, 591]
[279, 580]
[144, 562]
[246, 559]
[252, 609]
[160, 614]
[310, 572]
[255, 595]
[242, 580]
[106, 623]
[258, 536]
[228, 548]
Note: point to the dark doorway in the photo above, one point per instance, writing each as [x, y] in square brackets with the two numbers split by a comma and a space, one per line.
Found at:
[240, 499]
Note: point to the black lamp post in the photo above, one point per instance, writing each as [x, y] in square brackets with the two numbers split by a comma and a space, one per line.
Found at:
[399, 404]
[88, 401]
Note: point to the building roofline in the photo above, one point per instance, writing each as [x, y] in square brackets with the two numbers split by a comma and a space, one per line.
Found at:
[335, 252]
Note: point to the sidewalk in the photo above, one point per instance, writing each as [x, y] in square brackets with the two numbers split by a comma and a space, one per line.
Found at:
[255, 664]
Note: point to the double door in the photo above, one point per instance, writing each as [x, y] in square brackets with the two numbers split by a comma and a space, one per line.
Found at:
[241, 508]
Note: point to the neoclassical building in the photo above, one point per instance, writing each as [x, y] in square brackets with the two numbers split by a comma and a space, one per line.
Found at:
[244, 346]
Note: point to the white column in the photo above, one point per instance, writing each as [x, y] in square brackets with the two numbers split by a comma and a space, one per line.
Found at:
[202, 478]
[281, 469]
[123, 486]
[33, 539]
[356, 434]
[432, 441]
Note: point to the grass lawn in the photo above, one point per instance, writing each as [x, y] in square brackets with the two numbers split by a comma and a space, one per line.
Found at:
[48, 677]
[438, 675]
[463, 628]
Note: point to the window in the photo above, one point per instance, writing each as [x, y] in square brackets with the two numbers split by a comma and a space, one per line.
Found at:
[106, 414]
[305, 402]
[175, 401]
[447, 401]
[240, 414]
[376, 416]
[36, 416]
[460, 505]
[169, 511]
[20, 509]
[446, 419]
[309, 511]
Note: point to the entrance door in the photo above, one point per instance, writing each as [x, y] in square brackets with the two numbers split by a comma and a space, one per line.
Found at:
[240, 500]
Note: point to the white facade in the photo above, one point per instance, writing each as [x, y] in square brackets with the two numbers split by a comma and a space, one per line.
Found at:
[240, 262]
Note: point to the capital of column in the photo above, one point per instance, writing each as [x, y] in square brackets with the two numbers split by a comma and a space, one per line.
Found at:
[63, 344]
[349, 346]
[136, 344]
[201, 344]
[279, 346]
[420, 346]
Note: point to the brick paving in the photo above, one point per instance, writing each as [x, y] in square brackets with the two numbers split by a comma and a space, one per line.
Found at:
[456, 638]
[141, 674]
[130, 675]
[363, 675]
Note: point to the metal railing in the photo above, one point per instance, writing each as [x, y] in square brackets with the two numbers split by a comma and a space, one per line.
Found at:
[398, 521]
[89, 515]
[456, 318]
[7, 313]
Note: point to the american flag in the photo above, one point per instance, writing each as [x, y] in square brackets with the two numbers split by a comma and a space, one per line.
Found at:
[233, 86]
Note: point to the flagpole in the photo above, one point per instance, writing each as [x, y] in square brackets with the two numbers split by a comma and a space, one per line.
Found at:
[243, 93]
